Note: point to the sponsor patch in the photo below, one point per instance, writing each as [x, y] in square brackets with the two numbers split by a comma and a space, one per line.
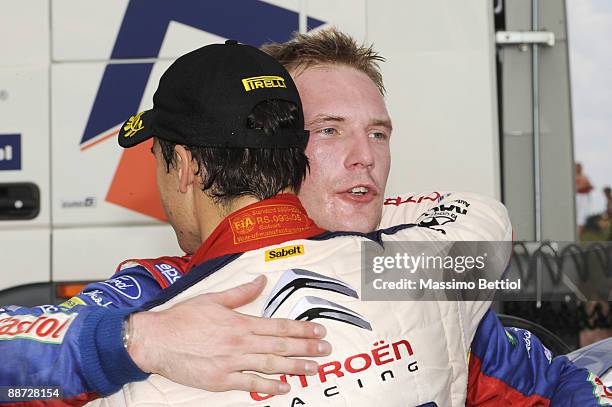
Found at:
[133, 125]
[511, 338]
[47, 328]
[96, 296]
[126, 286]
[10, 308]
[284, 252]
[443, 214]
[293, 280]
[169, 272]
[260, 82]
[310, 308]
[397, 201]
[71, 303]
[603, 394]
[548, 355]
[267, 221]
[527, 340]
[10, 152]
[48, 308]
[396, 357]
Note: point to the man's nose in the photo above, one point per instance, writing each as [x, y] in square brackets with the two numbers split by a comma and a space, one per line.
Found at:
[360, 153]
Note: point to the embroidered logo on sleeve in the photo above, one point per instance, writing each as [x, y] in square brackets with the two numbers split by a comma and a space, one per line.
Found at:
[48, 328]
[126, 286]
[71, 303]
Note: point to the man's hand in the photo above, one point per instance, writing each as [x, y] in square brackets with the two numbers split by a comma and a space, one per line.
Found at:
[203, 343]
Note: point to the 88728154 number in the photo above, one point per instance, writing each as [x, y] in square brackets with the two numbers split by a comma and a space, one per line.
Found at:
[29, 393]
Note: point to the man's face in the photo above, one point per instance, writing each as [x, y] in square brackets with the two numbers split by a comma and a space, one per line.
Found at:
[348, 147]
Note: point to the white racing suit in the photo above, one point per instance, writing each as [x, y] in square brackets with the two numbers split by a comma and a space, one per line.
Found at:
[385, 353]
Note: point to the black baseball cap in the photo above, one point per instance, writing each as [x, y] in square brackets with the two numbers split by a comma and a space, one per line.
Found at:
[205, 96]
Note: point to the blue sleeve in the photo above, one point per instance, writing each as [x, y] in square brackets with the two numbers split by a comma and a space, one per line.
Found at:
[510, 366]
[76, 345]
[131, 287]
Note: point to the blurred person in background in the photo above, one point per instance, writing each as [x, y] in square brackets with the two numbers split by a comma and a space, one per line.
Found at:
[598, 228]
[583, 199]
[608, 195]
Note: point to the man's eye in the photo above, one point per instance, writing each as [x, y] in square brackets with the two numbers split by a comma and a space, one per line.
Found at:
[378, 135]
[328, 131]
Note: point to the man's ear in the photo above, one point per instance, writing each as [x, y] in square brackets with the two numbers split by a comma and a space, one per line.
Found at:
[185, 167]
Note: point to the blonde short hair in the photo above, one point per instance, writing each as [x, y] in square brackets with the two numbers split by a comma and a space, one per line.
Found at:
[327, 47]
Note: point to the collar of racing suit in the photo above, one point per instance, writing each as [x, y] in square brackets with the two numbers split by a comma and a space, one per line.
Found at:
[271, 221]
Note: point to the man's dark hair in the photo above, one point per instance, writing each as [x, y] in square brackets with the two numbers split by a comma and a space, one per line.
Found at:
[228, 173]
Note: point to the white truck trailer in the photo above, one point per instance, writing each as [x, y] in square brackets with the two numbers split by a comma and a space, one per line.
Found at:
[472, 110]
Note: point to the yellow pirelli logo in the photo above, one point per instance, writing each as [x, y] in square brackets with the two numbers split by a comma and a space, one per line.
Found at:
[284, 252]
[260, 82]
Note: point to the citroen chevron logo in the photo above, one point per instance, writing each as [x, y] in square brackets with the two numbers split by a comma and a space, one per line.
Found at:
[296, 279]
[311, 308]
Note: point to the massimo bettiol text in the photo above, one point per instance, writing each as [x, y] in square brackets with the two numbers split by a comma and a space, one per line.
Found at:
[477, 271]
[436, 270]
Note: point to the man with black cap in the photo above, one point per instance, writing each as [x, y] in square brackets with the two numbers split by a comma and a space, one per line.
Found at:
[229, 135]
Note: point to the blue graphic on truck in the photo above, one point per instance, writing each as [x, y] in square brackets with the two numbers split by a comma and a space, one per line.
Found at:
[10, 152]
